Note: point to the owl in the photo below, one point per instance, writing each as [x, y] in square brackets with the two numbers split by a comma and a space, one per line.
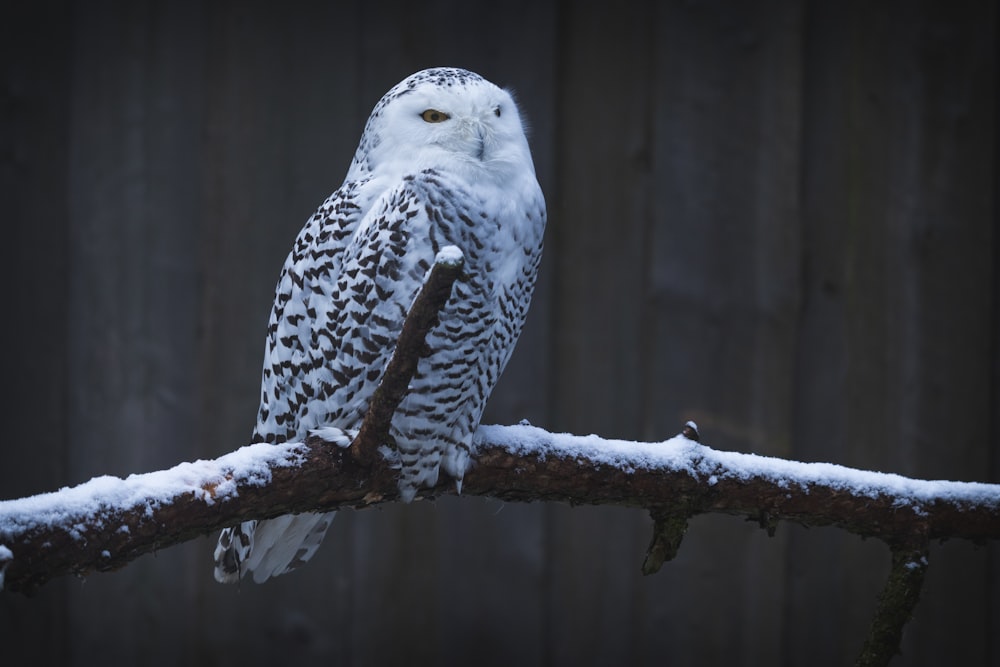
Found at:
[443, 161]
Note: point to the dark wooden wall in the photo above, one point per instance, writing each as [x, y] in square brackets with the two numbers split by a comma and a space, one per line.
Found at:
[776, 218]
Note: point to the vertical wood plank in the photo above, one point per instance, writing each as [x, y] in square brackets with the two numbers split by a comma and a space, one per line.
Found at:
[897, 188]
[940, 207]
[842, 166]
[35, 64]
[134, 212]
[722, 296]
[598, 216]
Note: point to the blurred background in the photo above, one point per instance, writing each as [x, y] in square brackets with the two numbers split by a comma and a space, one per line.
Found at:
[778, 219]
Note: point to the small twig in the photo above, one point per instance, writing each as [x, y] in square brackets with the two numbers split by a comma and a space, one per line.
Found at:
[669, 525]
[410, 348]
[895, 606]
[668, 531]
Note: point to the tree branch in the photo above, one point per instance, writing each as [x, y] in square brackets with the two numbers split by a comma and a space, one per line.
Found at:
[107, 522]
[895, 605]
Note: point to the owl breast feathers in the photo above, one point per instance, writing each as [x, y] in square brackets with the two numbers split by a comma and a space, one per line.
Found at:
[443, 161]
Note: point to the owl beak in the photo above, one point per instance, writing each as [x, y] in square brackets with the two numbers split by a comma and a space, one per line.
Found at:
[475, 135]
[480, 144]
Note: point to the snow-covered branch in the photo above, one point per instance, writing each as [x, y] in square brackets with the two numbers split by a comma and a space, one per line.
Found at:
[683, 477]
[107, 522]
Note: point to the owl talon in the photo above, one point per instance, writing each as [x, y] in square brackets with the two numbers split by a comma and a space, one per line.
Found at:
[391, 457]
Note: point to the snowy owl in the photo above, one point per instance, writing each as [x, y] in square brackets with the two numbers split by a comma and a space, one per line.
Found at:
[443, 161]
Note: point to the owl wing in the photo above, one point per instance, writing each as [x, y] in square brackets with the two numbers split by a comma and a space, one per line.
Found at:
[305, 286]
[269, 548]
[340, 304]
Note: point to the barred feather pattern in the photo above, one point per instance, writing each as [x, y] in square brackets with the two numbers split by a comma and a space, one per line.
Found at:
[414, 187]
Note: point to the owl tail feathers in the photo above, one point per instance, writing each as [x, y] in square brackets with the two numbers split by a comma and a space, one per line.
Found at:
[269, 548]
[233, 548]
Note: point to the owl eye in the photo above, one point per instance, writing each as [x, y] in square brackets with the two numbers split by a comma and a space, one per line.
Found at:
[434, 116]
[497, 112]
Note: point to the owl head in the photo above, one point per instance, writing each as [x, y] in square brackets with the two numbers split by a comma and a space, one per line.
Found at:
[443, 118]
